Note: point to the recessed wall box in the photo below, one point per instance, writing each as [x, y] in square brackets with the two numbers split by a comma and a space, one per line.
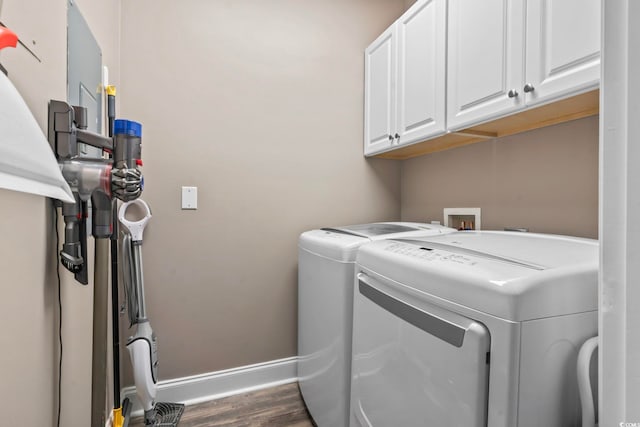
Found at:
[462, 218]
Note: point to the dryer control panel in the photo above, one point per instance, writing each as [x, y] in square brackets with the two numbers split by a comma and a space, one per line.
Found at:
[428, 254]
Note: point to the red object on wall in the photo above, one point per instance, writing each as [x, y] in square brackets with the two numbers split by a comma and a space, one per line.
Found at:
[7, 38]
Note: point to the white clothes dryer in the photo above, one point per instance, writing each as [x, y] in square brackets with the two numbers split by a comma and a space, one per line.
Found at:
[326, 269]
[472, 329]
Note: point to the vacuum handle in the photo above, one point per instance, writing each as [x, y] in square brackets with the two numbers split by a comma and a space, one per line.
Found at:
[136, 228]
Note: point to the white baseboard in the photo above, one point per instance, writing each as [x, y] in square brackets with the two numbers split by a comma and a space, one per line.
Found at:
[219, 384]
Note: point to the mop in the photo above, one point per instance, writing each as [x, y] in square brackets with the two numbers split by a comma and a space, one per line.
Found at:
[143, 344]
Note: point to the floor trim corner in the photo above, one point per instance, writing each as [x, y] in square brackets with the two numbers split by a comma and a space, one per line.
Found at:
[219, 384]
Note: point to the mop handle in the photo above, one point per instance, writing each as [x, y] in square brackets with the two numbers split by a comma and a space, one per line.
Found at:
[136, 228]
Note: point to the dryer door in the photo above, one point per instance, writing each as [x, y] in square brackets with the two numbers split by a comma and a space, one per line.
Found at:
[415, 364]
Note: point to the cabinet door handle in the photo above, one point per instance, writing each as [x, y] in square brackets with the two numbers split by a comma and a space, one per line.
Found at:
[528, 88]
[397, 136]
[390, 138]
[512, 93]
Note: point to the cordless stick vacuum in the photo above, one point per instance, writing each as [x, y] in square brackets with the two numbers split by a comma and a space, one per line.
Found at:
[142, 345]
[96, 180]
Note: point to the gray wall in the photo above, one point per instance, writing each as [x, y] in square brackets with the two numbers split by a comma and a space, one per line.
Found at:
[545, 180]
[260, 105]
[28, 307]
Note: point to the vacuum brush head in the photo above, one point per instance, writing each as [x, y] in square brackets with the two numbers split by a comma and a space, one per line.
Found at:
[71, 263]
[165, 415]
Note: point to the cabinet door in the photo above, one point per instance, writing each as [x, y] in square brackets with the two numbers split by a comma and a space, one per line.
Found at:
[421, 71]
[563, 47]
[380, 93]
[485, 57]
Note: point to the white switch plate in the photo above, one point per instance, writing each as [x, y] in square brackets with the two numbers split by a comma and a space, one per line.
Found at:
[189, 197]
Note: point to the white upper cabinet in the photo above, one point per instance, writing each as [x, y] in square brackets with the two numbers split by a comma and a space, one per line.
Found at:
[380, 93]
[504, 56]
[563, 47]
[486, 60]
[451, 68]
[405, 75]
[421, 72]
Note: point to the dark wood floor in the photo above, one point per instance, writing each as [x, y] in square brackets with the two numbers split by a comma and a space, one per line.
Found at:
[274, 407]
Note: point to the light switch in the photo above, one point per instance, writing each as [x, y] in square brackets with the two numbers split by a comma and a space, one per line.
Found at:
[189, 197]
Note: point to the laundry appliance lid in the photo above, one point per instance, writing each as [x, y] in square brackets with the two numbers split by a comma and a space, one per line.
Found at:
[514, 276]
[342, 243]
[384, 229]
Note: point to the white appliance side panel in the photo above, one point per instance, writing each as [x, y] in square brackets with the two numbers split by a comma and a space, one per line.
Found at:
[548, 384]
[416, 365]
[325, 300]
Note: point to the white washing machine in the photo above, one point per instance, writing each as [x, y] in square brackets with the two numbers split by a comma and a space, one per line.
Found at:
[326, 268]
[472, 329]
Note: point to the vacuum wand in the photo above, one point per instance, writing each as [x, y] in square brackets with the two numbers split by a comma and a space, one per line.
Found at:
[120, 409]
[143, 346]
[139, 280]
